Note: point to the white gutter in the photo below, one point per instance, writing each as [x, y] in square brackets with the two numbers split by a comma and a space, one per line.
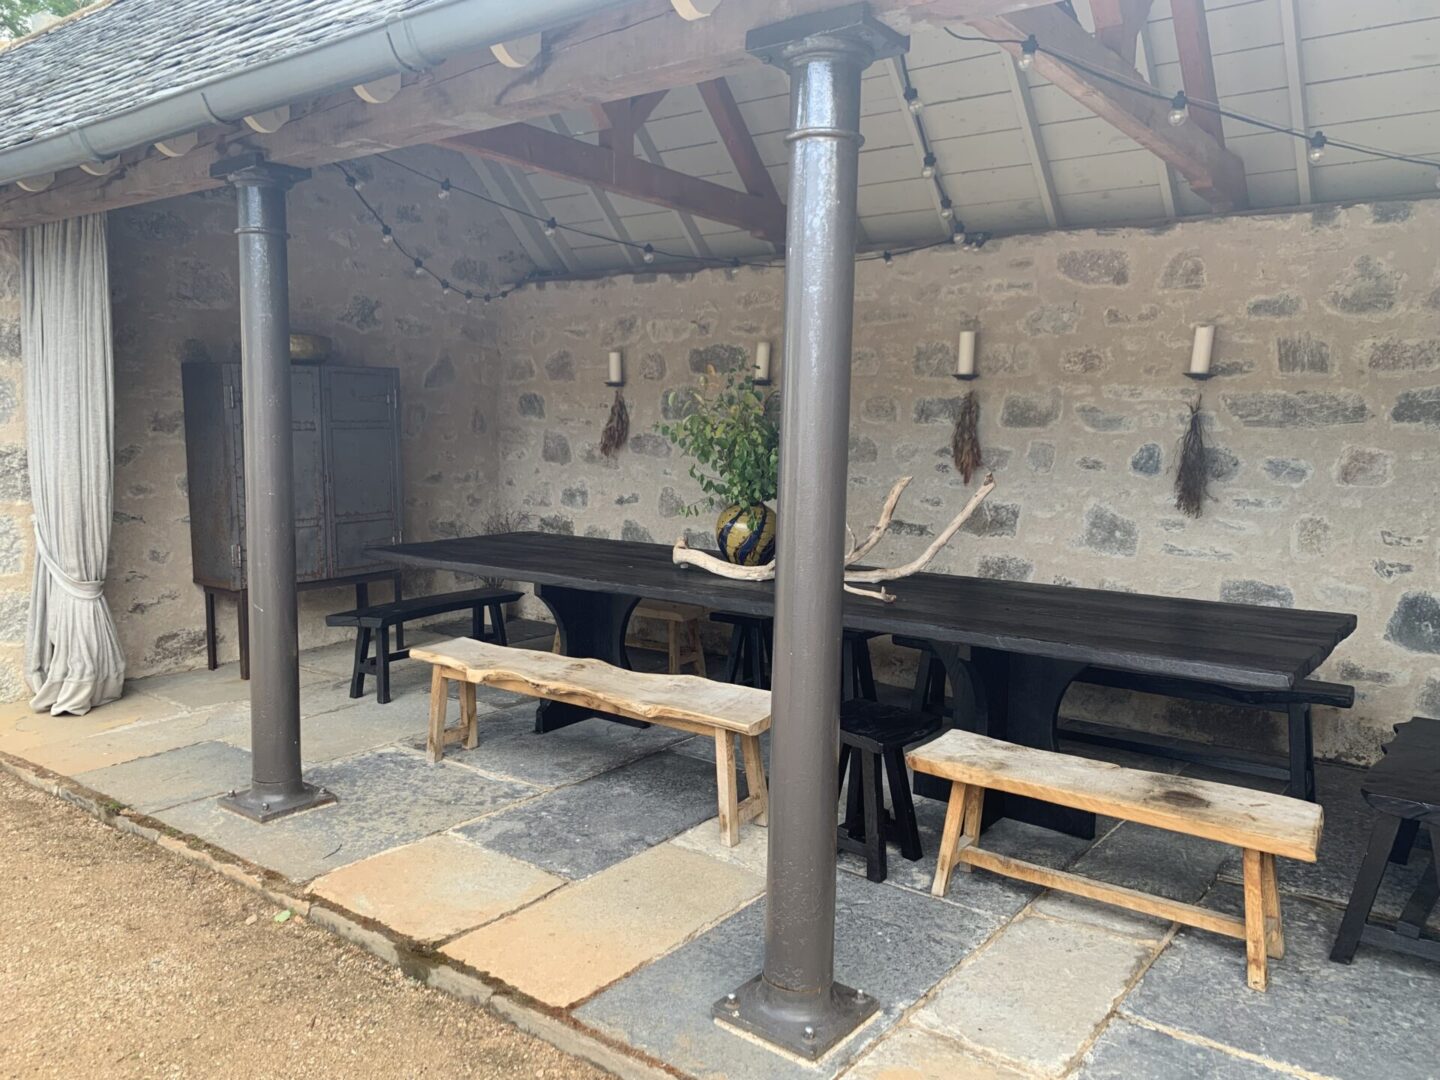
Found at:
[416, 40]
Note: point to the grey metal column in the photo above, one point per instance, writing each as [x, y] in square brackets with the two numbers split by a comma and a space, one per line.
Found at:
[795, 1002]
[276, 787]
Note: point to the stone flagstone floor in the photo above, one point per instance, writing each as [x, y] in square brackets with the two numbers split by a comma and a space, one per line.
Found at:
[583, 871]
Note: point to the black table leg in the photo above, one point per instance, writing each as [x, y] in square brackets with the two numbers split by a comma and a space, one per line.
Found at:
[589, 624]
[1367, 884]
[969, 707]
[211, 660]
[1023, 695]
[397, 591]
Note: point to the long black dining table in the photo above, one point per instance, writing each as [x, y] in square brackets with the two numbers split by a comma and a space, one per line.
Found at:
[1026, 642]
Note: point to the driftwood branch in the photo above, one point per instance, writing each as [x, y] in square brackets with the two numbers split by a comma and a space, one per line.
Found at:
[886, 513]
[916, 565]
[684, 555]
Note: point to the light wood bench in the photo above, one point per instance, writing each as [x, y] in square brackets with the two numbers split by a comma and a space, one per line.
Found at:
[1261, 824]
[684, 702]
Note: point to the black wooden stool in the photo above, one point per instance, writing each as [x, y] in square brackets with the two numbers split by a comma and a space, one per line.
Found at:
[1404, 787]
[873, 738]
[752, 641]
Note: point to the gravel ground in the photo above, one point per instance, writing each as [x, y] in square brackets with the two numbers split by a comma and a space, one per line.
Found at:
[118, 959]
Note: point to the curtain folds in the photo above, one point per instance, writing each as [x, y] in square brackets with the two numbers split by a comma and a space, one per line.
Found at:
[73, 658]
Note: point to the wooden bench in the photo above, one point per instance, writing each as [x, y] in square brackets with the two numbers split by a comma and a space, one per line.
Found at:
[378, 619]
[684, 702]
[1295, 703]
[1261, 824]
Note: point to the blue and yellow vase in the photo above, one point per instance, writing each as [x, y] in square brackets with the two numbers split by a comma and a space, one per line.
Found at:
[746, 534]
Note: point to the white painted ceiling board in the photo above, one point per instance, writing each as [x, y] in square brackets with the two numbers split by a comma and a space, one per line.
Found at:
[1141, 204]
[994, 185]
[1264, 152]
[1087, 137]
[1280, 188]
[1232, 30]
[1386, 48]
[1238, 73]
[1112, 172]
[1343, 100]
[1343, 16]
[996, 150]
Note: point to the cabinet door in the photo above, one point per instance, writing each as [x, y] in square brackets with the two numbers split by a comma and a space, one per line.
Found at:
[308, 471]
[362, 458]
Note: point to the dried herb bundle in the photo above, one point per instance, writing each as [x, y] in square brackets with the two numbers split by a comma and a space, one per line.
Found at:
[965, 441]
[617, 428]
[1192, 474]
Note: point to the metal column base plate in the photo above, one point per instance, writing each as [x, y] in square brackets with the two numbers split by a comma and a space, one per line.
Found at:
[265, 806]
[804, 1026]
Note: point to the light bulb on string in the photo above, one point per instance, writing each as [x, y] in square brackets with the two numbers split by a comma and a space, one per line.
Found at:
[354, 181]
[928, 172]
[648, 253]
[549, 228]
[1437, 181]
[419, 266]
[469, 297]
[1317, 146]
[1028, 49]
[912, 100]
[947, 208]
[444, 192]
[444, 287]
[888, 259]
[1179, 109]
[387, 235]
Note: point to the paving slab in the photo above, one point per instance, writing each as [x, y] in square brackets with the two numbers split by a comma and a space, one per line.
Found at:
[202, 688]
[587, 935]
[126, 742]
[1375, 1019]
[1343, 841]
[1127, 1051]
[1058, 905]
[890, 942]
[1037, 993]
[435, 888]
[752, 852]
[911, 1053]
[580, 830]
[387, 798]
[509, 746]
[22, 729]
[176, 776]
[1152, 860]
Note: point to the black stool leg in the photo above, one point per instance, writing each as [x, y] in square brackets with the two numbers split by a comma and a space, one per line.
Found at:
[864, 673]
[732, 661]
[362, 653]
[855, 798]
[875, 868]
[1404, 841]
[1367, 884]
[907, 830]
[920, 692]
[849, 683]
[497, 624]
[382, 665]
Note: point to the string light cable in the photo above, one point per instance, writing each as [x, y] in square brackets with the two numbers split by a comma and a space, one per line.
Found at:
[1181, 104]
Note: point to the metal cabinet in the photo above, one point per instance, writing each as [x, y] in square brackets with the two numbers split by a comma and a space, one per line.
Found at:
[345, 424]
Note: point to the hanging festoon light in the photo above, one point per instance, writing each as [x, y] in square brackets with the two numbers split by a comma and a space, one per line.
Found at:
[648, 253]
[1317, 146]
[419, 266]
[387, 235]
[1028, 48]
[444, 192]
[1179, 109]
[947, 208]
[549, 228]
[444, 287]
[928, 169]
[912, 100]
[888, 259]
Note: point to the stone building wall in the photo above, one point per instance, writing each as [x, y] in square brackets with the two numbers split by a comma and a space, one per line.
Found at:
[1324, 422]
[173, 277]
[17, 537]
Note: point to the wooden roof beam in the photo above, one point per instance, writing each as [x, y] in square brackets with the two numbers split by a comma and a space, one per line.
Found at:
[623, 174]
[1118, 24]
[1215, 174]
[1197, 65]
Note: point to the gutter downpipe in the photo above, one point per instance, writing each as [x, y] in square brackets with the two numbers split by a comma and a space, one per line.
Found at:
[410, 42]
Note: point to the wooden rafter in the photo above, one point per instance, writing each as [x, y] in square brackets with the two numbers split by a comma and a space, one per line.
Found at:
[1215, 174]
[1118, 24]
[1197, 65]
[739, 143]
[622, 174]
[607, 209]
[618, 53]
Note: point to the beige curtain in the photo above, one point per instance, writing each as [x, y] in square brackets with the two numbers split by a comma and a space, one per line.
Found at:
[73, 659]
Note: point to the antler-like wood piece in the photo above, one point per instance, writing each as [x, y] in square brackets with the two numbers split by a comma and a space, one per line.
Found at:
[916, 565]
[684, 555]
[886, 513]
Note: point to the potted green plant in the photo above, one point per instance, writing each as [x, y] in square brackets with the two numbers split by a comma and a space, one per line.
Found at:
[730, 433]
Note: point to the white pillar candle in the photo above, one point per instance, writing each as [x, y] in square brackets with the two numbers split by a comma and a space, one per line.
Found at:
[1200, 352]
[762, 362]
[616, 371]
[965, 355]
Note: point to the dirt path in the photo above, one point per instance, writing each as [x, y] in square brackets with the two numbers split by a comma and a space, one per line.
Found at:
[120, 960]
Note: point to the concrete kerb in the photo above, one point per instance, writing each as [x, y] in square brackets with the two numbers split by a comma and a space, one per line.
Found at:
[432, 969]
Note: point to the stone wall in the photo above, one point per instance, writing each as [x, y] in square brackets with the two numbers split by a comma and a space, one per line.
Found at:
[173, 276]
[17, 537]
[1324, 422]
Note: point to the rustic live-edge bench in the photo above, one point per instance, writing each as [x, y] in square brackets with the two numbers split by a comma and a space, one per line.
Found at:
[378, 619]
[1261, 824]
[685, 702]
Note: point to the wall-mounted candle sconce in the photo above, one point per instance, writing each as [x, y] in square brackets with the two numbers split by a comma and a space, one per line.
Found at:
[1201, 351]
[616, 370]
[965, 355]
[762, 363]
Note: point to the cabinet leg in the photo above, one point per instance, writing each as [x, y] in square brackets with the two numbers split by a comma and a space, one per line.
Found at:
[242, 619]
[211, 660]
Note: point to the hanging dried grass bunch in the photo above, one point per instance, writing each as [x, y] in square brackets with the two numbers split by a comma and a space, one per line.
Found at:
[965, 441]
[617, 428]
[1192, 474]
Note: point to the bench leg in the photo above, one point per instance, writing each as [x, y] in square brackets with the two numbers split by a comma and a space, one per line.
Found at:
[672, 647]
[692, 629]
[439, 700]
[362, 653]
[1367, 884]
[469, 725]
[1270, 893]
[725, 785]
[1255, 966]
[382, 665]
[950, 839]
[758, 795]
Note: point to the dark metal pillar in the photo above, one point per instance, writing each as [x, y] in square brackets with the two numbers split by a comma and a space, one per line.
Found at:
[795, 1002]
[276, 787]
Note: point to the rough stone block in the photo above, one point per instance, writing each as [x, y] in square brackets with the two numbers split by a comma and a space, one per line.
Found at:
[1250, 591]
[1147, 460]
[1415, 623]
[1030, 410]
[1108, 533]
[1005, 568]
[1396, 357]
[1301, 409]
[1100, 420]
[1281, 306]
[556, 448]
[532, 406]
[1095, 266]
[1303, 354]
[1184, 271]
[1292, 472]
[1418, 407]
[1369, 286]
[1364, 466]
